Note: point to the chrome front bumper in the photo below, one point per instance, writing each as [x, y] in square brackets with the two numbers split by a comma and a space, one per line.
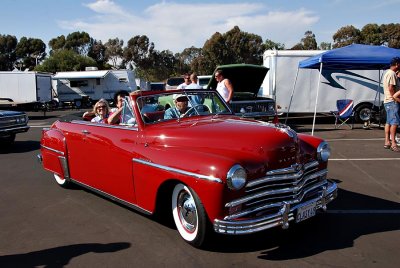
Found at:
[282, 218]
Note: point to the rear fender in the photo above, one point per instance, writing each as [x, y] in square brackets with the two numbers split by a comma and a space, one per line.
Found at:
[54, 152]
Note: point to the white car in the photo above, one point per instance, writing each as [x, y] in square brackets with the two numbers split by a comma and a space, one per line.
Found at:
[203, 80]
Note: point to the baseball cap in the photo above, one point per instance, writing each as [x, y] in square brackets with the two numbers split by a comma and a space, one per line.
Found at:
[178, 96]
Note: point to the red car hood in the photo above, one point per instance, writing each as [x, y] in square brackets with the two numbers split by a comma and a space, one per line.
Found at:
[226, 137]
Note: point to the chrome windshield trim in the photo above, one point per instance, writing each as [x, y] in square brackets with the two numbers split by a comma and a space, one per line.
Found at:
[86, 123]
[51, 149]
[195, 175]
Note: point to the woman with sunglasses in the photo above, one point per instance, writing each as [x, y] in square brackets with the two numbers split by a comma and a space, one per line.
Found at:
[101, 109]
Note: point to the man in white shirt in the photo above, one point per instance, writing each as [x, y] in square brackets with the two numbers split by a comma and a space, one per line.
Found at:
[186, 83]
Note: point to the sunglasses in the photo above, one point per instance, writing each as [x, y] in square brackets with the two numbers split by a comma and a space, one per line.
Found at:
[101, 107]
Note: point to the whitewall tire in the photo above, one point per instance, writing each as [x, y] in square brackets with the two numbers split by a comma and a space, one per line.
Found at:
[189, 215]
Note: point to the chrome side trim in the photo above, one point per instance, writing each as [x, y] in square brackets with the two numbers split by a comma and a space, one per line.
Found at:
[79, 122]
[281, 218]
[191, 174]
[51, 149]
[113, 198]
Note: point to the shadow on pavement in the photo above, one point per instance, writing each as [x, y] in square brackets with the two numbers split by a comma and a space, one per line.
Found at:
[350, 216]
[59, 256]
[20, 147]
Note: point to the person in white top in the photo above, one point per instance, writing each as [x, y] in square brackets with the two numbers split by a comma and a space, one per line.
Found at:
[224, 87]
[101, 110]
[390, 87]
[193, 85]
[186, 83]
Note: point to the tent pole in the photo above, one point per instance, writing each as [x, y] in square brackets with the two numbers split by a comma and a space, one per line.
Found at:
[316, 99]
[379, 96]
[291, 96]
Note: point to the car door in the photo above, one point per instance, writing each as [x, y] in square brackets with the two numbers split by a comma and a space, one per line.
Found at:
[100, 156]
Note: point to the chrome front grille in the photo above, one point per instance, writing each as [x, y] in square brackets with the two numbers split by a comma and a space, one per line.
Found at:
[12, 121]
[291, 185]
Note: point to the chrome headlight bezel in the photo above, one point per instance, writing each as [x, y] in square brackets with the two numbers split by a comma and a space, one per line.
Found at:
[236, 177]
[323, 151]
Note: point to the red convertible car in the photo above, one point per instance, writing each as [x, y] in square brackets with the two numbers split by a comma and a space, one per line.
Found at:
[210, 170]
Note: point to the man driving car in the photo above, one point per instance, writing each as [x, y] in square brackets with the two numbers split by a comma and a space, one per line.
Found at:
[181, 107]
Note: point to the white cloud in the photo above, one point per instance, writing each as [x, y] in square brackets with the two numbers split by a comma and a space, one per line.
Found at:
[176, 26]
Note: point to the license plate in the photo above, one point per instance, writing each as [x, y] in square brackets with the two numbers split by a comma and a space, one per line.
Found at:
[306, 212]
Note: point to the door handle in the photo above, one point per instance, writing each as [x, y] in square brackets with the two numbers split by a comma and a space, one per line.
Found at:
[85, 131]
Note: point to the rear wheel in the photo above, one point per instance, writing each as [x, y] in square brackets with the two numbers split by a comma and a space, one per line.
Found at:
[61, 181]
[189, 215]
[363, 112]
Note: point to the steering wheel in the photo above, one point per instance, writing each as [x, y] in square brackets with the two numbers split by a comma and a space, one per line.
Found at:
[188, 112]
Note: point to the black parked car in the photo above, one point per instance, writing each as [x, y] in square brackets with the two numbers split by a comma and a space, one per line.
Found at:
[11, 123]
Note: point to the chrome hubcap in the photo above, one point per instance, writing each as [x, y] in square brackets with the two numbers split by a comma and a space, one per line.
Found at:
[187, 211]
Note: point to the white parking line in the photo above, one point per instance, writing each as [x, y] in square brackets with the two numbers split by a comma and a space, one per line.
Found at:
[371, 139]
[360, 211]
[364, 159]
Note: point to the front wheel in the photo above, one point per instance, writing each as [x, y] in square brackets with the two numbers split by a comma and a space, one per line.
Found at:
[61, 181]
[189, 215]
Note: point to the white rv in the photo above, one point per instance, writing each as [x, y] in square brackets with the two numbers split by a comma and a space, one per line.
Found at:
[360, 85]
[25, 90]
[82, 88]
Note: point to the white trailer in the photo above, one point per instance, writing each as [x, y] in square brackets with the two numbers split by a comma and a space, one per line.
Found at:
[82, 88]
[25, 90]
[360, 85]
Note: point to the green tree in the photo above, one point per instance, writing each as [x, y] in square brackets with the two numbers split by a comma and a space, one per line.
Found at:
[138, 51]
[325, 46]
[97, 51]
[30, 51]
[308, 42]
[234, 46]
[346, 36]
[64, 60]
[391, 34]
[114, 50]
[371, 34]
[8, 44]
[80, 42]
[271, 45]
[57, 43]
[184, 59]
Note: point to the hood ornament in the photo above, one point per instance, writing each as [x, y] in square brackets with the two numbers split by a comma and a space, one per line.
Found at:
[286, 129]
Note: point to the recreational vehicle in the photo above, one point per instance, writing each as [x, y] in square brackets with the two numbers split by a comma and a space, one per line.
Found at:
[82, 88]
[294, 89]
[25, 90]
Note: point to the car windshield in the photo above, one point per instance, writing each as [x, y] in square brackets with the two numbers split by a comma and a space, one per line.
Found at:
[177, 105]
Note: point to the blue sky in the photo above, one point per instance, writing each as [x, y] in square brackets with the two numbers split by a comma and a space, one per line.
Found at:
[176, 25]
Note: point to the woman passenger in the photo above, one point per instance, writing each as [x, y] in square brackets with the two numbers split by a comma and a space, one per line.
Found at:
[102, 110]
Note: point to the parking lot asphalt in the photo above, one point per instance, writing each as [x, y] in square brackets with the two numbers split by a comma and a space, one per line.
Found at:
[43, 224]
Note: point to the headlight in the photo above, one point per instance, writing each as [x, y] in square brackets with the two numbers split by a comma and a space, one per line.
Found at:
[236, 177]
[323, 151]
[271, 107]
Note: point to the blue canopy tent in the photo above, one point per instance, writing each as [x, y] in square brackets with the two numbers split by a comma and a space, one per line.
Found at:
[352, 57]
